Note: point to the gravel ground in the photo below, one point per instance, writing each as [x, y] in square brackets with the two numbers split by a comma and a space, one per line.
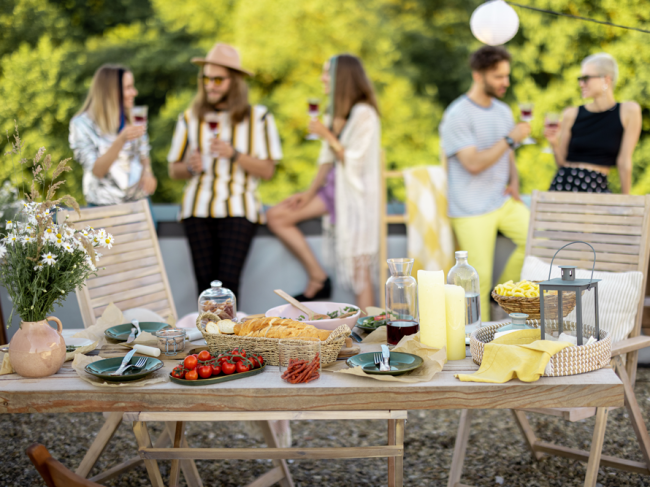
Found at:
[496, 455]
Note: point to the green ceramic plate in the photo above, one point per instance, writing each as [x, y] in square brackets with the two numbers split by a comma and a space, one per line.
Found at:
[122, 332]
[218, 379]
[400, 363]
[103, 369]
[361, 323]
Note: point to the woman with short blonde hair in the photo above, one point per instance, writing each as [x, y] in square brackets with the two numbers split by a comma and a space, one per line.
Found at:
[114, 153]
[597, 136]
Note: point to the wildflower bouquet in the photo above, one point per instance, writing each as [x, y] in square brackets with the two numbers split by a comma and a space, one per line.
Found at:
[41, 260]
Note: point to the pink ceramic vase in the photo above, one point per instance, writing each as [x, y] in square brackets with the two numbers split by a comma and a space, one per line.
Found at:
[36, 349]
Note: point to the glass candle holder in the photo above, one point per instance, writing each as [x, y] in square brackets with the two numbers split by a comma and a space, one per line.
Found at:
[171, 341]
[300, 360]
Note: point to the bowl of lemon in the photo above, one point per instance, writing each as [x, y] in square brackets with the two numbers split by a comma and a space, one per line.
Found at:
[523, 297]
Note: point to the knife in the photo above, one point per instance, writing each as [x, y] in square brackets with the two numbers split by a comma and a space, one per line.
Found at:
[125, 362]
[131, 336]
[356, 337]
[385, 353]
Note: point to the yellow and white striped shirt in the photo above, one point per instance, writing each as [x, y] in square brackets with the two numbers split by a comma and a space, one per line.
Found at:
[224, 189]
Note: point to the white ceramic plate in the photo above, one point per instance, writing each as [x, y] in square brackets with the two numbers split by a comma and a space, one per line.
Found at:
[323, 307]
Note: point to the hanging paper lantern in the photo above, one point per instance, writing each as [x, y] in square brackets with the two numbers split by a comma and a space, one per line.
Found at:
[494, 23]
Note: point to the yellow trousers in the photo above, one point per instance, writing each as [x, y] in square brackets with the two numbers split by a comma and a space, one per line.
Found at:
[478, 235]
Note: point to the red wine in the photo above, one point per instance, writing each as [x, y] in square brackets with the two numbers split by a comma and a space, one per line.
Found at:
[526, 113]
[552, 125]
[313, 107]
[214, 126]
[396, 330]
[139, 119]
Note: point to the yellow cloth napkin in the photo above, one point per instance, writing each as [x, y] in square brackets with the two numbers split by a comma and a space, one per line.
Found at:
[517, 355]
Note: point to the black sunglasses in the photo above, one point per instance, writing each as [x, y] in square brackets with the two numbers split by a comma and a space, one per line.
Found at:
[586, 78]
[217, 80]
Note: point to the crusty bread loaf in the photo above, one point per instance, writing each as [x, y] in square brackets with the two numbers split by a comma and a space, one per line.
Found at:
[274, 327]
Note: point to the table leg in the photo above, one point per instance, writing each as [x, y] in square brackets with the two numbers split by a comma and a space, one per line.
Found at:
[391, 460]
[144, 441]
[100, 443]
[596, 447]
[188, 467]
[399, 461]
[272, 442]
[176, 470]
[462, 437]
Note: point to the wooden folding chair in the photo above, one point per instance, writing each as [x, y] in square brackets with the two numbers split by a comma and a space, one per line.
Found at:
[54, 473]
[618, 227]
[131, 274]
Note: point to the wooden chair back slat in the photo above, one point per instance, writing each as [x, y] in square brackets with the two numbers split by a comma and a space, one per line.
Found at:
[132, 273]
[54, 473]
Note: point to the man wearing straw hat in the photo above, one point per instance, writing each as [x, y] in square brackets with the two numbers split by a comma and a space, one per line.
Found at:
[222, 145]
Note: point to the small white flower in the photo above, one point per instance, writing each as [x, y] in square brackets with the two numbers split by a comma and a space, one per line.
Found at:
[58, 243]
[3, 251]
[39, 266]
[12, 238]
[49, 259]
[98, 256]
[9, 225]
[51, 234]
[69, 232]
[108, 241]
[68, 248]
[28, 239]
[101, 233]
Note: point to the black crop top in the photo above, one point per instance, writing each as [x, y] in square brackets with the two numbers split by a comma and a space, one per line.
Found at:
[596, 137]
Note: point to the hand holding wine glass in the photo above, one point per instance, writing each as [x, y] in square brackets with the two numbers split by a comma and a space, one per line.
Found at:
[212, 119]
[313, 112]
[139, 115]
[527, 116]
[552, 127]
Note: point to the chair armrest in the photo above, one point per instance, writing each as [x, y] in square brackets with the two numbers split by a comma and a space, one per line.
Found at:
[630, 345]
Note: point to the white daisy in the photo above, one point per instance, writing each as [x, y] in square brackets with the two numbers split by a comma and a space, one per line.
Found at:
[51, 234]
[49, 258]
[12, 238]
[9, 225]
[3, 251]
[108, 241]
[101, 234]
[69, 232]
[28, 239]
[68, 247]
[39, 266]
[58, 243]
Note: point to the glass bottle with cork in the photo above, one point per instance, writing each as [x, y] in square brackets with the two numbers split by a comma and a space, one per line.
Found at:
[465, 276]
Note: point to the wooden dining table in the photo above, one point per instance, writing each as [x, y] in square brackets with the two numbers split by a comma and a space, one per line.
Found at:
[266, 396]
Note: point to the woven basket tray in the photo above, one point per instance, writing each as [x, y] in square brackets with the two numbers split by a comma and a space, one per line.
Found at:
[530, 306]
[268, 347]
[569, 361]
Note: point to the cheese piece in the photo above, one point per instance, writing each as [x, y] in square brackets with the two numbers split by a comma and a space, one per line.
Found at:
[431, 299]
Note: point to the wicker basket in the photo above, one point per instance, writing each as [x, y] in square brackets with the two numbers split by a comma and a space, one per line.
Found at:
[268, 347]
[569, 361]
[530, 306]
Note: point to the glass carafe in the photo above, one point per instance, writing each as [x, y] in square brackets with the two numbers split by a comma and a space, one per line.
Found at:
[465, 276]
[218, 300]
[401, 300]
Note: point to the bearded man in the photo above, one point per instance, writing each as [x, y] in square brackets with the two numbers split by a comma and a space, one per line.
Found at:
[478, 137]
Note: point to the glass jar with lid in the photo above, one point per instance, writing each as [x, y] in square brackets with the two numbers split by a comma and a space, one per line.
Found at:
[219, 301]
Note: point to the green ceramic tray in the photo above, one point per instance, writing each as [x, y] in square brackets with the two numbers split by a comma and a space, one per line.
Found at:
[361, 323]
[219, 379]
[400, 363]
[103, 368]
[122, 332]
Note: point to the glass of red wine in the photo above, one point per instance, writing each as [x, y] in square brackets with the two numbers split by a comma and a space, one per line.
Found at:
[212, 119]
[139, 115]
[313, 111]
[551, 121]
[527, 116]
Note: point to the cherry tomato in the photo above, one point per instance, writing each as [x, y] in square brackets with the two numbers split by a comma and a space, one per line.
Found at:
[254, 363]
[227, 368]
[178, 372]
[260, 359]
[204, 355]
[190, 362]
[241, 367]
[216, 369]
[191, 375]
[204, 371]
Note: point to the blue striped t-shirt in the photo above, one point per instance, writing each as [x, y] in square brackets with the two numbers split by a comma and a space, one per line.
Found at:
[466, 124]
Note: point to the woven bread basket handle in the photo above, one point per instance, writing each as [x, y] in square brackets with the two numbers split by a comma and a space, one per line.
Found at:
[207, 315]
[571, 243]
[341, 331]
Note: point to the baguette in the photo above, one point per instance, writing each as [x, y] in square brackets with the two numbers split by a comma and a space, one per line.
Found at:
[274, 327]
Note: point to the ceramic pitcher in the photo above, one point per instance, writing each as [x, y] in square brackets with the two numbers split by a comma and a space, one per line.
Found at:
[36, 349]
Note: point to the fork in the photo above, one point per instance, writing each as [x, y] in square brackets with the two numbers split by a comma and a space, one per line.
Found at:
[377, 359]
[138, 365]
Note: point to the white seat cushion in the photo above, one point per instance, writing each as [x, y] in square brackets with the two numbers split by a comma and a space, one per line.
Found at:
[618, 296]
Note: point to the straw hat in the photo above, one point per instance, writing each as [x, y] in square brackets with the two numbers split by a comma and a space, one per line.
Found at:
[223, 55]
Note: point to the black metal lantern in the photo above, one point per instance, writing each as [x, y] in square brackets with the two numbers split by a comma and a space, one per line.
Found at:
[569, 283]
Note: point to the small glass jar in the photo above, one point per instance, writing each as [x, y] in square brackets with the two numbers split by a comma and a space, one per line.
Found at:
[219, 301]
[171, 340]
[300, 360]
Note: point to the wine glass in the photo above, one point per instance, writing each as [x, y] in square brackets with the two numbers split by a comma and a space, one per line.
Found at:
[212, 119]
[312, 110]
[551, 121]
[527, 116]
[139, 115]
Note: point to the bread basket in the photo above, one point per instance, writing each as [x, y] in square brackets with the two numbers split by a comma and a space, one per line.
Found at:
[530, 306]
[267, 347]
[569, 361]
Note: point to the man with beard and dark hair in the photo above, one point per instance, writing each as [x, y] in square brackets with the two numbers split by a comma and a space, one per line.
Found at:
[478, 137]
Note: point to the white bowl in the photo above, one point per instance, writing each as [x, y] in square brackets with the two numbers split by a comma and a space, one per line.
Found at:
[322, 307]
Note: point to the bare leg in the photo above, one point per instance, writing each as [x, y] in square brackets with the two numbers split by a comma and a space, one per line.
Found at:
[366, 297]
[282, 221]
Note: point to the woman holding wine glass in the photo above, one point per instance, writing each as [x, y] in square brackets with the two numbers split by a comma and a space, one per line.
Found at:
[112, 148]
[593, 138]
[346, 187]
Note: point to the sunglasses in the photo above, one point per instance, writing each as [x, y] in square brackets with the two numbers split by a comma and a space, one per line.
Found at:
[217, 80]
[586, 78]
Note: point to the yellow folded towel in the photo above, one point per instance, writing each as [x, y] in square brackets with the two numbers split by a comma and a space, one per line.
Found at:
[517, 355]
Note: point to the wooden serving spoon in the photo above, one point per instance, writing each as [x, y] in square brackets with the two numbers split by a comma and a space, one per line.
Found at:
[310, 314]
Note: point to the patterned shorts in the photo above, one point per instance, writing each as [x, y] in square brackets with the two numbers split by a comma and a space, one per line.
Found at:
[579, 180]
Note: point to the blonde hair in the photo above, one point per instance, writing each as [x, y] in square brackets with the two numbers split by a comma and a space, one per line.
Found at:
[605, 64]
[104, 101]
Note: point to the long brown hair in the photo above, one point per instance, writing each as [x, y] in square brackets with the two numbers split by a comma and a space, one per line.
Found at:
[236, 99]
[104, 102]
[351, 86]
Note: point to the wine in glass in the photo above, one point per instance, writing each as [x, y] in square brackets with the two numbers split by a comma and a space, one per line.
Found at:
[312, 110]
[551, 121]
[212, 119]
[527, 116]
[139, 115]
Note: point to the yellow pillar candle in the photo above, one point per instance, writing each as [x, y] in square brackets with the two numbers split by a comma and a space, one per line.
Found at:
[431, 300]
[455, 311]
